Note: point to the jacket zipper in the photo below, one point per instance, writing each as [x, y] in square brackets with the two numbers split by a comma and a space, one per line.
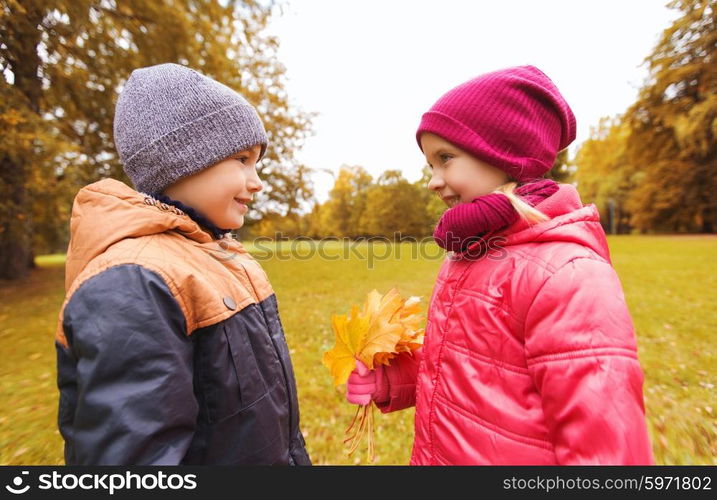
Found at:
[289, 392]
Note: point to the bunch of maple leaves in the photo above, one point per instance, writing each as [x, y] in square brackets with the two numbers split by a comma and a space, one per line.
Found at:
[385, 326]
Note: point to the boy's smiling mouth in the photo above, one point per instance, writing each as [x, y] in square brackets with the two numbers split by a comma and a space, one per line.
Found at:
[243, 202]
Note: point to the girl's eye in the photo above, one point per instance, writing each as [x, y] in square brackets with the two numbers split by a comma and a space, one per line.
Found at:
[445, 157]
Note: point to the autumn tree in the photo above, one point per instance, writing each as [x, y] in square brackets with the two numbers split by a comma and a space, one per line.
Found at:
[341, 213]
[63, 63]
[605, 176]
[673, 140]
[563, 169]
[312, 222]
[393, 205]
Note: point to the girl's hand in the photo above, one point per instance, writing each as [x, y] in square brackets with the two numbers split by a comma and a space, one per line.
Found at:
[365, 385]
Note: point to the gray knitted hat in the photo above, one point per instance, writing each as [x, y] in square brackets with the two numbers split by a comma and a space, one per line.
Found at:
[172, 122]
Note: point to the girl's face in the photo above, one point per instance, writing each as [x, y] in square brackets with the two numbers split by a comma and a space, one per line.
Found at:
[458, 176]
[221, 192]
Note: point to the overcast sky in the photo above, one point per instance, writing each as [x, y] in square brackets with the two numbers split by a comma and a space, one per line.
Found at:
[370, 69]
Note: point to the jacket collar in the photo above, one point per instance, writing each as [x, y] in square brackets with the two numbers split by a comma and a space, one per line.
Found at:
[570, 221]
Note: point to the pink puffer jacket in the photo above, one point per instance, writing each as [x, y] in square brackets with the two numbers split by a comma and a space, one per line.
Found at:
[530, 354]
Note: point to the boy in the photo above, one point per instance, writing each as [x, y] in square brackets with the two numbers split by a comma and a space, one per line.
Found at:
[170, 347]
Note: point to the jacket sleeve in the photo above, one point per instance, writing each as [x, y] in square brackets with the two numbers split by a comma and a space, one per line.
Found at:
[125, 379]
[582, 355]
[400, 376]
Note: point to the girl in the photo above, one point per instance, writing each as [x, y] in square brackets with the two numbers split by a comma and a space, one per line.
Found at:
[530, 354]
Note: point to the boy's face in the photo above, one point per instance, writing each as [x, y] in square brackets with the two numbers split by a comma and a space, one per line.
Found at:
[221, 192]
[456, 175]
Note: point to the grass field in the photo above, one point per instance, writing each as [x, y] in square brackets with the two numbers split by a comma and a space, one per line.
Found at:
[669, 282]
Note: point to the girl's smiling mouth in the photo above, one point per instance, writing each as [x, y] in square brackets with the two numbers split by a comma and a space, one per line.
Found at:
[451, 201]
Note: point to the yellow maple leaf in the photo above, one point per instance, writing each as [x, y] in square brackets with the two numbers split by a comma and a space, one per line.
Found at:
[350, 336]
[385, 329]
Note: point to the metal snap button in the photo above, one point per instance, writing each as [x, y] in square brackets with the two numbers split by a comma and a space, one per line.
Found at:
[229, 302]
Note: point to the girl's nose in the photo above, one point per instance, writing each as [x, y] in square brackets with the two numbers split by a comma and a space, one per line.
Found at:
[436, 183]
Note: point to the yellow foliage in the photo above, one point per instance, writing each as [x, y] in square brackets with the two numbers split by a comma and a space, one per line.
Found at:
[374, 334]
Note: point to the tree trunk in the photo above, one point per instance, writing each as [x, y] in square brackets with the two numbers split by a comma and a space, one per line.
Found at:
[707, 226]
[14, 235]
[13, 260]
[22, 54]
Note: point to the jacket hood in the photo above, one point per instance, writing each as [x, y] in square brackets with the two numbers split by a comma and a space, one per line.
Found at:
[570, 221]
[109, 211]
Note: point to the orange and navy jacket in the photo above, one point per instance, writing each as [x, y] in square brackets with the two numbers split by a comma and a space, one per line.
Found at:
[170, 349]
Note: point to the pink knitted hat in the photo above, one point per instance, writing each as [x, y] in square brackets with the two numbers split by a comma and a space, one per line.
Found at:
[513, 119]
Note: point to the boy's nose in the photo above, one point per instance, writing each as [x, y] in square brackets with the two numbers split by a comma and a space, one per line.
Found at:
[253, 183]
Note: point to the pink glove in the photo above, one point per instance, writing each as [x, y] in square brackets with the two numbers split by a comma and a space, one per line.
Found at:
[365, 385]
